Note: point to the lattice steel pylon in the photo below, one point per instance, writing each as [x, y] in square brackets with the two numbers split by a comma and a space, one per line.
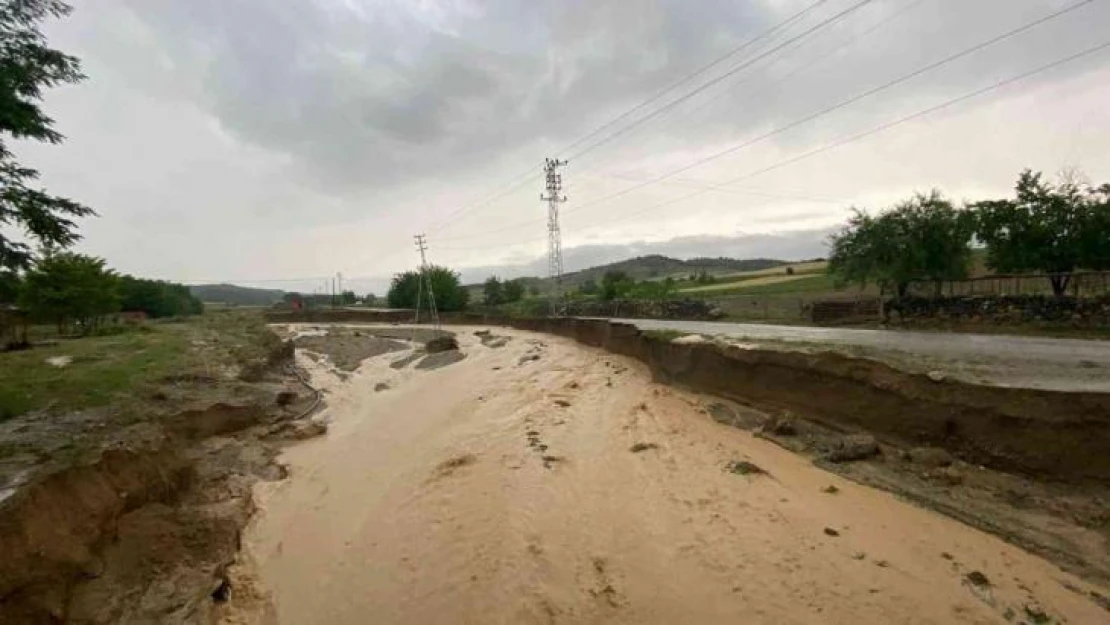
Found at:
[554, 197]
[425, 283]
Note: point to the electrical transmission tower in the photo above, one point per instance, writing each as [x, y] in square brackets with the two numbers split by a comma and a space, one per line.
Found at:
[425, 281]
[554, 197]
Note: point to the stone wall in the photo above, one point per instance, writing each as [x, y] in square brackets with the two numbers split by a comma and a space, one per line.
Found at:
[1010, 310]
[646, 309]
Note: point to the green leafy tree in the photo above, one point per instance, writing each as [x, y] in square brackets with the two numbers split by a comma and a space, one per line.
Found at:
[512, 291]
[67, 288]
[491, 291]
[449, 293]
[348, 298]
[615, 285]
[10, 284]
[370, 299]
[589, 287]
[653, 289]
[924, 238]
[27, 67]
[1054, 229]
[157, 298]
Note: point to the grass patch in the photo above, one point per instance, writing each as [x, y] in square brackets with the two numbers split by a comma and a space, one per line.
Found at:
[110, 370]
[808, 284]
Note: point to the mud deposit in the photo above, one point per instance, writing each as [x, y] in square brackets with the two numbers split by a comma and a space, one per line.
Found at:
[543, 481]
[116, 522]
[347, 348]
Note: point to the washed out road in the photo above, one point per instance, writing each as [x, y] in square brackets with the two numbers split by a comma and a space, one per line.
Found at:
[1033, 362]
[547, 482]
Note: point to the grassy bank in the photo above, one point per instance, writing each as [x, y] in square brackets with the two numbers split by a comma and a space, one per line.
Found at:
[108, 370]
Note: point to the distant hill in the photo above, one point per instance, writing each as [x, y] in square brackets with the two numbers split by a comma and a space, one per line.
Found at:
[659, 267]
[650, 268]
[236, 295]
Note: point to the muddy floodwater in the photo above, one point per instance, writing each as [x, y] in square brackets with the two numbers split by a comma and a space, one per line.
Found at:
[540, 481]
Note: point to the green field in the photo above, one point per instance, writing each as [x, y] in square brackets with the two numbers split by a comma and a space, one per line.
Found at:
[105, 370]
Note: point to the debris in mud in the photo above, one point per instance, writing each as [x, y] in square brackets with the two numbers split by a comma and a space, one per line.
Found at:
[284, 398]
[609, 382]
[936, 376]
[935, 457]
[550, 460]
[830, 489]
[300, 430]
[831, 532]
[439, 344]
[346, 350]
[495, 368]
[642, 405]
[447, 467]
[743, 467]
[222, 592]
[562, 403]
[401, 363]
[638, 447]
[527, 358]
[854, 447]
[1102, 600]
[440, 359]
[1036, 615]
[481, 333]
[947, 556]
[977, 578]
[859, 555]
[721, 413]
[572, 385]
[946, 475]
[782, 425]
[381, 386]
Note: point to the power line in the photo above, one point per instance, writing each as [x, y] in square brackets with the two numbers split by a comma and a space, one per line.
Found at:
[723, 76]
[830, 109]
[842, 104]
[876, 129]
[820, 58]
[520, 180]
[781, 25]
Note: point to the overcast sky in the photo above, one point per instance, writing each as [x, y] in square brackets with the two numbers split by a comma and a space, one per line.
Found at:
[274, 142]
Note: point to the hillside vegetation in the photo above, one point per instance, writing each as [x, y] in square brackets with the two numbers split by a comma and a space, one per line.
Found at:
[233, 295]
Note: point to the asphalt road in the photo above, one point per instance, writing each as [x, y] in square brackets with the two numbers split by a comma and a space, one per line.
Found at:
[1061, 364]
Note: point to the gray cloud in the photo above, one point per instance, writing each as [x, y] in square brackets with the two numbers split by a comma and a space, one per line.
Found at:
[300, 137]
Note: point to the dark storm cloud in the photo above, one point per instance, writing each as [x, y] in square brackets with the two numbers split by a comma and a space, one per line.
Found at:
[365, 94]
[380, 95]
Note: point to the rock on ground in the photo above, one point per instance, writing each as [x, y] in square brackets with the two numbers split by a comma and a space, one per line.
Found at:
[441, 344]
[854, 447]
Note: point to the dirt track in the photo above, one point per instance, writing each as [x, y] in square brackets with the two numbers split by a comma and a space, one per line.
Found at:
[473, 494]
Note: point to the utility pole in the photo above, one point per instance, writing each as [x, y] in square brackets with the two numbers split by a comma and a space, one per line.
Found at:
[554, 197]
[339, 276]
[425, 281]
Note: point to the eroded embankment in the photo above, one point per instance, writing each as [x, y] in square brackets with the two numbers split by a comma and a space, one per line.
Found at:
[143, 529]
[1046, 434]
[1049, 435]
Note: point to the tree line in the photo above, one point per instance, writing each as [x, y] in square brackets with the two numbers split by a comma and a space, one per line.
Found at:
[76, 293]
[1049, 228]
